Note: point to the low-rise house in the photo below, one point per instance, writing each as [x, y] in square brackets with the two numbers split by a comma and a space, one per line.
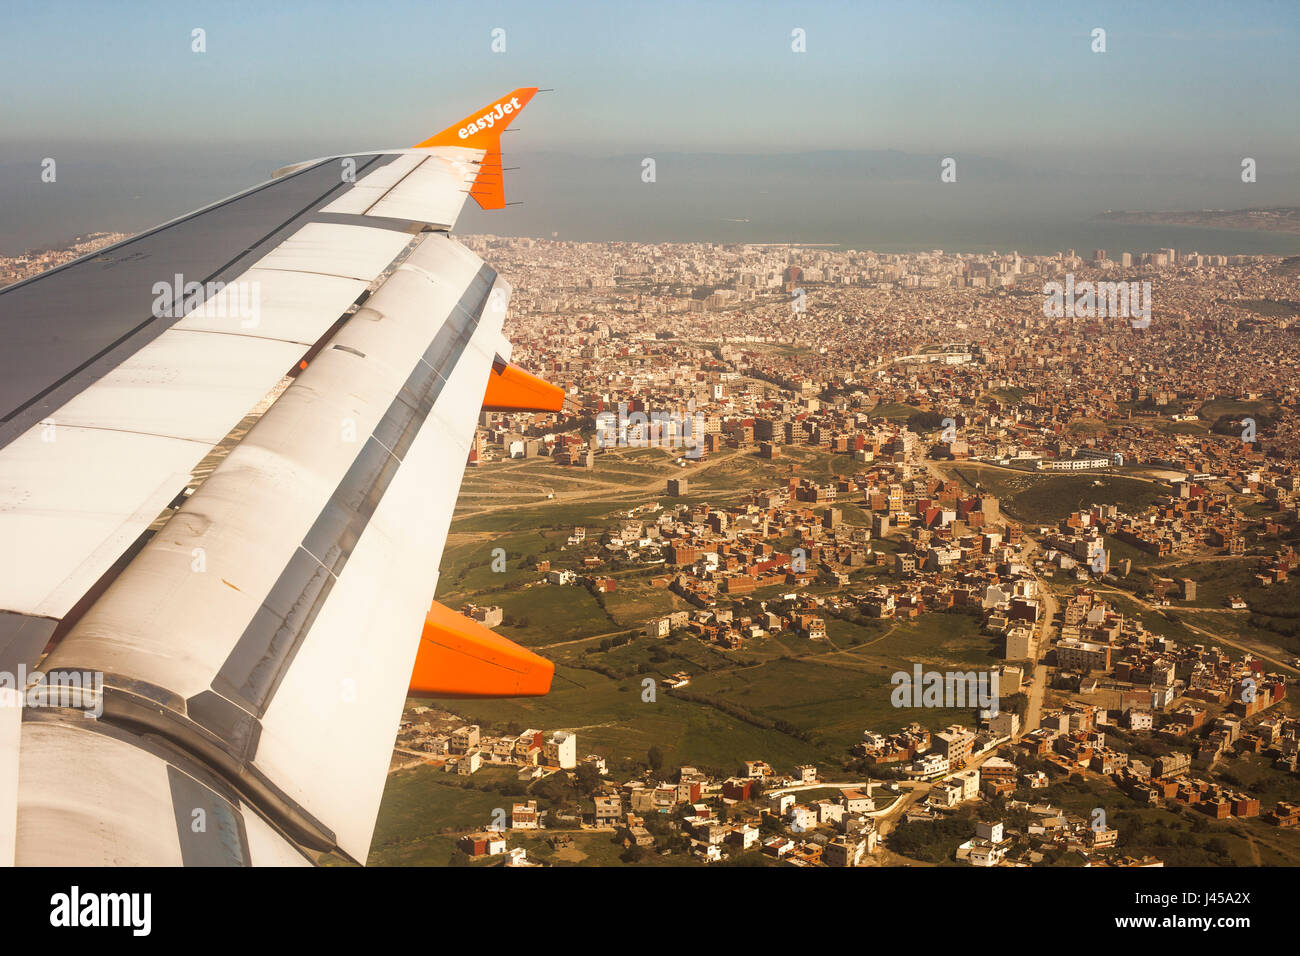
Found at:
[524, 816]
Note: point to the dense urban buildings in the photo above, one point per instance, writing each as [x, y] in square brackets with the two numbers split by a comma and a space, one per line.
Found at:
[785, 459]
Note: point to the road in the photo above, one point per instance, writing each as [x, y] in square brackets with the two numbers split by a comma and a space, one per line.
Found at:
[1106, 473]
[1219, 638]
[918, 791]
[614, 489]
[1038, 685]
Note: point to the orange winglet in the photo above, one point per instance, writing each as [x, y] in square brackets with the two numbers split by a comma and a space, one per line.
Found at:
[482, 129]
[511, 389]
[459, 657]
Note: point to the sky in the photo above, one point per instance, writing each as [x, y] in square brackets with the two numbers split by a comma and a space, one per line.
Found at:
[1182, 92]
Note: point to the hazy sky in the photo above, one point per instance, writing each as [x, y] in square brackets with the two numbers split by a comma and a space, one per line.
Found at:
[1016, 77]
[144, 129]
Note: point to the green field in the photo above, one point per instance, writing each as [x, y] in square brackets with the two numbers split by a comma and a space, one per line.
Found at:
[1269, 307]
[1215, 580]
[1227, 406]
[782, 699]
[423, 811]
[1045, 498]
[1180, 836]
[1009, 395]
[894, 411]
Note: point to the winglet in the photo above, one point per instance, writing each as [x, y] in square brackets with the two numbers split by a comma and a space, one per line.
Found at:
[482, 129]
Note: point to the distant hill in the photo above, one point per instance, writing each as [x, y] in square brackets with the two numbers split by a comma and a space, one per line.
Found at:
[1267, 219]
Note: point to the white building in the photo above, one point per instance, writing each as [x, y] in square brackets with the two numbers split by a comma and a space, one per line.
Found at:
[930, 764]
[781, 803]
[989, 831]
[1081, 463]
[985, 853]
[1139, 719]
[828, 812]
[519, 857]
[957, 789]
[802, 818]
[744, 836]
[1005, 724]
[469, 763]
[562, 750]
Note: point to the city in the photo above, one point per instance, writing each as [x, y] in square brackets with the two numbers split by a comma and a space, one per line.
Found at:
[879, 482]
[618, 441]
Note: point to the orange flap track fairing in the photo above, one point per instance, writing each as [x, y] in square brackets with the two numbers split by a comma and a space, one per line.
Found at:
[511, 389]
[459, 657]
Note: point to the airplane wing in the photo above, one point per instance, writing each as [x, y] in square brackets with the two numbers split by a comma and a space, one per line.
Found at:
[230, 448]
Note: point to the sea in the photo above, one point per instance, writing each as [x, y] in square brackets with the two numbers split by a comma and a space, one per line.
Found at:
[883, 201]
